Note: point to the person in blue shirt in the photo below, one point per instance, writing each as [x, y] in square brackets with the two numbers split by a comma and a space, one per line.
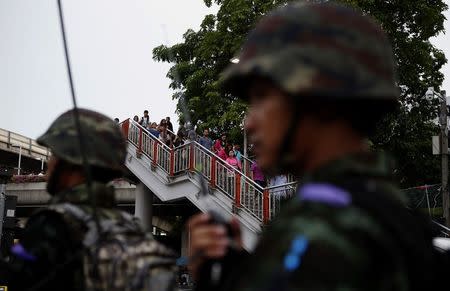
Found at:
[237, 152]
[153, 129]
[205, 140]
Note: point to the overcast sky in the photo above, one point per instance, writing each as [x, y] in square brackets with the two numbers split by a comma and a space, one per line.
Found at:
[110, 43]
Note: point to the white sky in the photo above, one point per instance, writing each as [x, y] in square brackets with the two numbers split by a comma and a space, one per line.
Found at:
[110, 43]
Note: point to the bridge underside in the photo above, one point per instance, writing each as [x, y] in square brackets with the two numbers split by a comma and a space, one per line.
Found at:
[183, 208]
[32, 196]
[28, 164]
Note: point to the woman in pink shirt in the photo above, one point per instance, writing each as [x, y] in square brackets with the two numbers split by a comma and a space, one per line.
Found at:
[233, 161]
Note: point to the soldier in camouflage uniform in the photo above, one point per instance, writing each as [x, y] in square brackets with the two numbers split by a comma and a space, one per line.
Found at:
[319, 76]
[50, 253]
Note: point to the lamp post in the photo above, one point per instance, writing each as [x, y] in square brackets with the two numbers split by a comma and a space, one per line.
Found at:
[443, 149]
[42, 164]
[20, 157]
[235, 60]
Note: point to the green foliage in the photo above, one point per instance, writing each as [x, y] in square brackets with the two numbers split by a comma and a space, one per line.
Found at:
[408, 138]
[410, 24]
[203, 55]
[407, 135]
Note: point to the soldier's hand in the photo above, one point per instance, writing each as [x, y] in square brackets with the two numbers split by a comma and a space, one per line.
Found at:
[210, 241]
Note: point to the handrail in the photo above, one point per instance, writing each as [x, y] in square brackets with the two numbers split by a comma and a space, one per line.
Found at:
[281, 185]
[441, 226]
[245, 193]
[148, 132]
[171, 132]
[156, 123]
[205, 150]
[209, 152]
[196, 142]
[182, 145]
[224, 162]
[247, 158]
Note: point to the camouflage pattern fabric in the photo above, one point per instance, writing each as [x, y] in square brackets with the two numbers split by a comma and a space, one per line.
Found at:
[323, 50]
[104, 142]
[54, 237]
[79, 195]
[347, 228]
[61, 245]
[125, 258]
[50, 240]
[322, 240]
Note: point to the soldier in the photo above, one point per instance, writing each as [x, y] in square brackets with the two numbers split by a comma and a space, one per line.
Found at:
[53, 251]
[318, 77]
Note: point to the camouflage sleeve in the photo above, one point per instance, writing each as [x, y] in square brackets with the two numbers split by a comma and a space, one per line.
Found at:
[316, 247]
[45, 244]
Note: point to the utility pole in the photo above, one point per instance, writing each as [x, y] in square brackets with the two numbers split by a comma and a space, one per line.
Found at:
[444, 157]
[443, 113]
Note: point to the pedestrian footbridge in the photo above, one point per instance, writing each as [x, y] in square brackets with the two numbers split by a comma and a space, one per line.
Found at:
[21, 153]
[174, 173]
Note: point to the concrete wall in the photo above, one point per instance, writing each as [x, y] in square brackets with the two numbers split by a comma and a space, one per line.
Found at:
[36, 193]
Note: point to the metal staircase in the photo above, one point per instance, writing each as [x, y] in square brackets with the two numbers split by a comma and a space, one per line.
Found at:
[172, 173]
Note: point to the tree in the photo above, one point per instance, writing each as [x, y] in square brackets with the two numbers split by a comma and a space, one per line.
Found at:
[203, 55]
[407, 135]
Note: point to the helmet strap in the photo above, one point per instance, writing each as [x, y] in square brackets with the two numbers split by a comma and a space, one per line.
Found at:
[286, 156]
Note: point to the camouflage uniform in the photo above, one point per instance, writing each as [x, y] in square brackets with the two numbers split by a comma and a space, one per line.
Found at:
[50, 241]
[340, 231]
[329, 243]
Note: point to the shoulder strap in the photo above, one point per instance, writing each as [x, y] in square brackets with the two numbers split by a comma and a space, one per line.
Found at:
[408, 228]
[73, 210]
[408, 235]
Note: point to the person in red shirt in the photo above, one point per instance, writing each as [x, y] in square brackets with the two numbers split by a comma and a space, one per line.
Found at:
[219, 147]
[220, 142]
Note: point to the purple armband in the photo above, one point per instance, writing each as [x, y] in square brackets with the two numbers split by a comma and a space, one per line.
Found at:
[325, 193]
[19, 251]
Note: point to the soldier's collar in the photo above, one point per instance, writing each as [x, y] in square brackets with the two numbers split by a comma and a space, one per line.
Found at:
[368, 164]
[79, 195]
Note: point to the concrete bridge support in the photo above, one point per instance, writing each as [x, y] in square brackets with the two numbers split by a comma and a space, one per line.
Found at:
[143, 206]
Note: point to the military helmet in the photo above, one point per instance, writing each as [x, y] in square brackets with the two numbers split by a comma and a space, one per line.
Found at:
[103, 140]
[317, 50]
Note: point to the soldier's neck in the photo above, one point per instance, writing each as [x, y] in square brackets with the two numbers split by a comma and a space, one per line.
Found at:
[71, 179]
[333, 143]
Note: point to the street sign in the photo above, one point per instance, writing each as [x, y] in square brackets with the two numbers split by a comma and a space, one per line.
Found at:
[436, 145]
